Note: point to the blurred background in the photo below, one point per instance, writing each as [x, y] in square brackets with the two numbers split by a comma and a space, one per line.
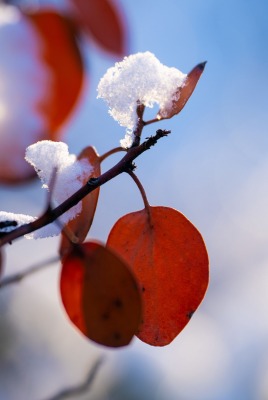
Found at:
[213, 168]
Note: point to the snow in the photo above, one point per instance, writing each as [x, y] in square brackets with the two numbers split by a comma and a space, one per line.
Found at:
[138, 79]
[19, 219]
[8, 14]
[46, 157]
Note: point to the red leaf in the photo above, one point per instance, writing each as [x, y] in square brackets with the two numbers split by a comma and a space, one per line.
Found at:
[183, 93]
[52, 101]
[62, 55]
[81, 224]
[100, 295]
[104, 21]
[169, 258]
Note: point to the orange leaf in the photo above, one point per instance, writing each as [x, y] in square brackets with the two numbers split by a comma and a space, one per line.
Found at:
[183, 93]
[56, 86]
[103, 20]
[169, 258]
[63, 57]
[100, 295]
[81, 224]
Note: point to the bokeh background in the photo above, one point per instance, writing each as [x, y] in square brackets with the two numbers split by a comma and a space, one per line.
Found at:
[214, 169]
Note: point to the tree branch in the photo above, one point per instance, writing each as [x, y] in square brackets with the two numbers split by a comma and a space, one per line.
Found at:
[51, 215]
[81, 388]
[16, 278]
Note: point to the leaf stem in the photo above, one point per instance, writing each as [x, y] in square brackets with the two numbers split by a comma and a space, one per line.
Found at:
[151, 121]
[143, 194]
[111, 152]
[141, 188]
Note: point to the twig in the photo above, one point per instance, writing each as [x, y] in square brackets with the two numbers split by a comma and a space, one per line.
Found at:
[140, 125]
[111, 152]
[151, 121]
[141, 188]
[16, 278]
[51, 215]
[143, 195]
[81, 388]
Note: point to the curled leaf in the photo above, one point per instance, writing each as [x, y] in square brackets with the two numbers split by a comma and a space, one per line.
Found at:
[183, 93]
[169, 258]
[104, 22]
[80, 225]
[100, 295]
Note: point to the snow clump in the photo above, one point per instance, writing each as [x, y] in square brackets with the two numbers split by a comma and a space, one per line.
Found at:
[138, 79]
[48, 157]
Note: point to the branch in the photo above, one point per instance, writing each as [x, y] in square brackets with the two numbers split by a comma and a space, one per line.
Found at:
[16, 278]
[81, 388]
[137, 133]
[51, 215]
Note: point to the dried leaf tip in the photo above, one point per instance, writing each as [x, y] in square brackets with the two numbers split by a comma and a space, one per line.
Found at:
[202, 65]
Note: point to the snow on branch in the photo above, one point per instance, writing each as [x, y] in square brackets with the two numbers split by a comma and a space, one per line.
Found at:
[138, 79]
[37, 227]
[47, 156]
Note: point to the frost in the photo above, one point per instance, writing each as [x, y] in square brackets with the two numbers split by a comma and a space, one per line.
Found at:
[138, 79]
[128, 139]
[48, 157]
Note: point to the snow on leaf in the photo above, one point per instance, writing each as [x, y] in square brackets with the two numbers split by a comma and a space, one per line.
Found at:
[100, 295]
[169, 259]
[46, 156]
[138, 79]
